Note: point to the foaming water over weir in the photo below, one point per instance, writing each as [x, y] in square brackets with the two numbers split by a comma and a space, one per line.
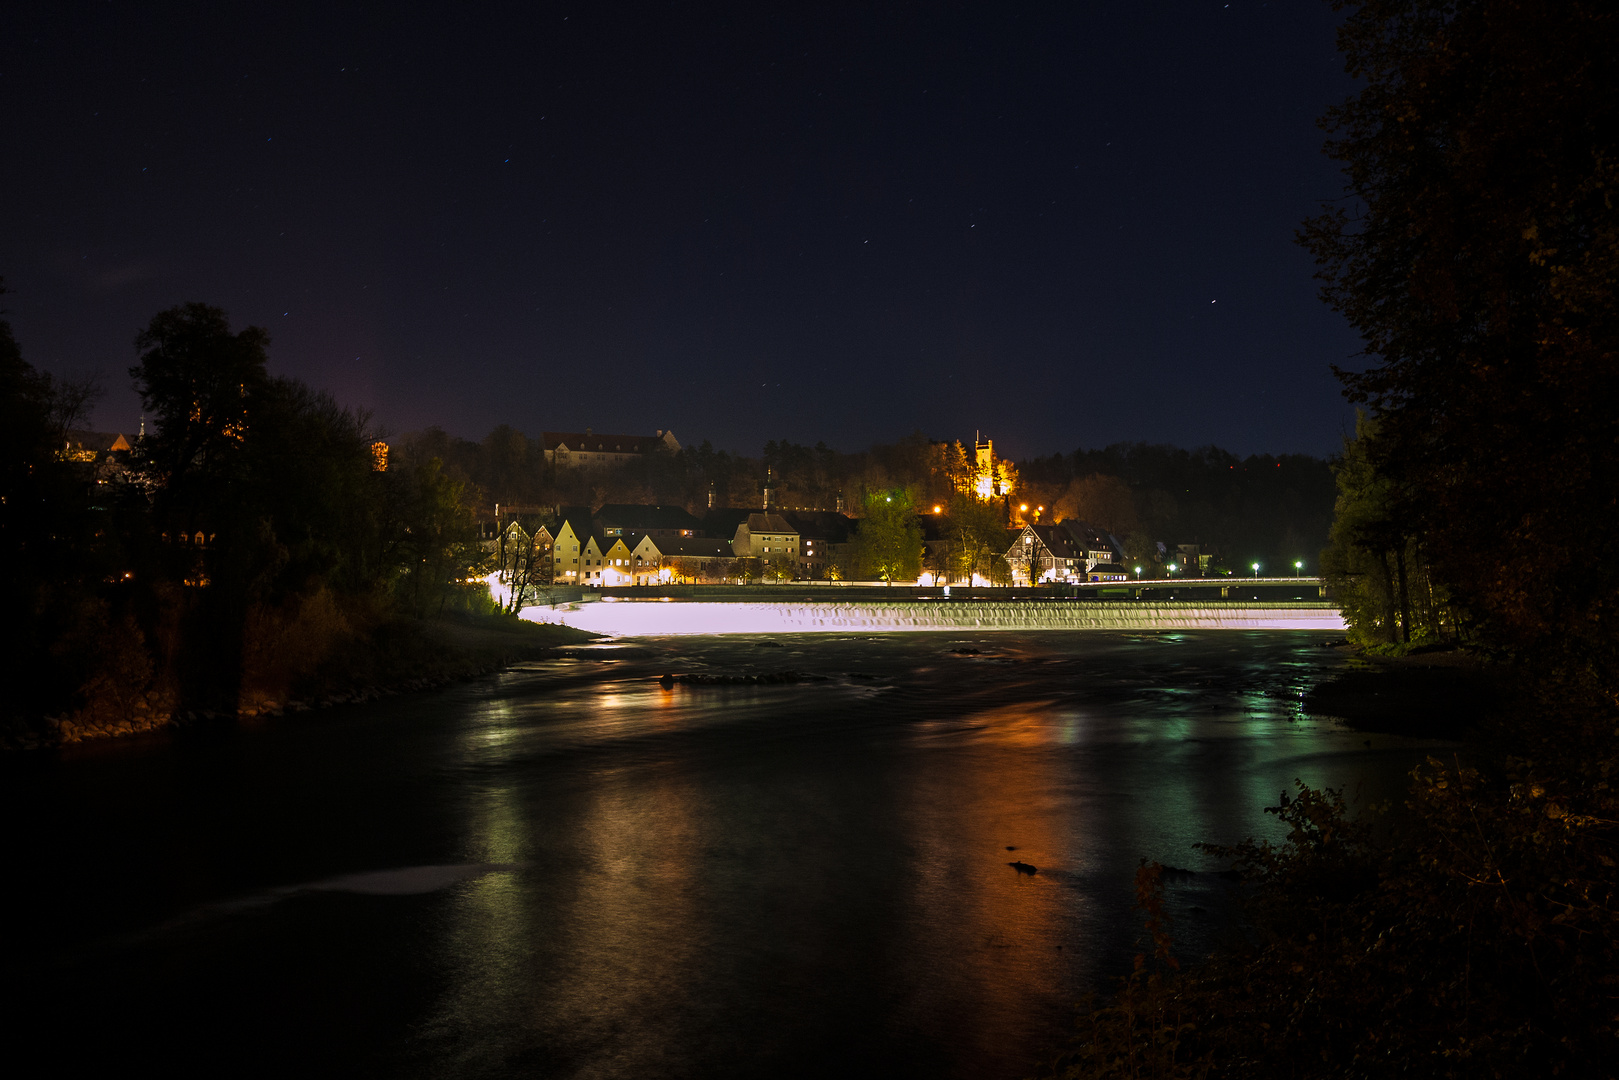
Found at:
[647, 618]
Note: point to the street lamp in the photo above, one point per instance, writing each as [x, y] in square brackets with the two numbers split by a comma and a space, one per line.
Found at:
[1256, 569]
[1172, 568]
[1298, 567]
[1138, 573]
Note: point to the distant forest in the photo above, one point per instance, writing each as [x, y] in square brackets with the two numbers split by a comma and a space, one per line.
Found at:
[1274, 510]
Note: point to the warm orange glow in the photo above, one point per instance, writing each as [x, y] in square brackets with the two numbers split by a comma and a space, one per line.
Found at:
[938, 509]
[379, 456]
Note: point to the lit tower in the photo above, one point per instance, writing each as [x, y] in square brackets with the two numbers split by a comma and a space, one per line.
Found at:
[984, 466]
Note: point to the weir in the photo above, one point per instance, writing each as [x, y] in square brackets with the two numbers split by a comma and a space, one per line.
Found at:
[651, 618]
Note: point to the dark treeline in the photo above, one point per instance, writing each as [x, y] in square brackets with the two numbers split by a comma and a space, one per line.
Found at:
[1274, 510]
[509, 467]
[258, 536]
[1475, 932]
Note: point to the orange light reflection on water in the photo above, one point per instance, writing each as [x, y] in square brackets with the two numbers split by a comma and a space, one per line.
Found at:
[1008, 928]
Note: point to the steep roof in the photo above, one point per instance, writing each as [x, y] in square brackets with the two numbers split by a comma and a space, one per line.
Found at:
[577, 516]
[828, 525]
[645, 518]
[1089, 536]
[723, 521]
[693, 547]
[769, 523]
[1059, 541]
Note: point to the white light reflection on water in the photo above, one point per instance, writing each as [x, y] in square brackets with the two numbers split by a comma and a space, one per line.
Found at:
[625, 618]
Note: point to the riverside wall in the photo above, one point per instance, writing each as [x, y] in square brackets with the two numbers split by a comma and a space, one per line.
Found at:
[650, 618]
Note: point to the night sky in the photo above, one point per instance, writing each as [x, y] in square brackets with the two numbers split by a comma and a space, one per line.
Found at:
[1066, 225]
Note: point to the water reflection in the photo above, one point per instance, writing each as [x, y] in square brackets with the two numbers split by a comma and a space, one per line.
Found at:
[978, 931]
[715, 879]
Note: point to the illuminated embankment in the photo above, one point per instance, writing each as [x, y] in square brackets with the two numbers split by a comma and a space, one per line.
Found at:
[652, 618]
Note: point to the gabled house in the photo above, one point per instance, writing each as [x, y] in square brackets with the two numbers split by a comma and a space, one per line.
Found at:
[576, 551]
[1193, 560]
[1041, 553]
[614, 568]
[1099, 545]
[515, 546]
[767, 537]
[646, 560]
[685, 558]
[587, 448]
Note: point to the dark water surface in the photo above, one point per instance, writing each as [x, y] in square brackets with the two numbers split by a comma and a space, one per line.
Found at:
[570, 870]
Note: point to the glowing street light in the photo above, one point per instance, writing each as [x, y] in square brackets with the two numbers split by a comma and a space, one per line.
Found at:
[1298, 567]
[1256, 569]
[1172, 568]
[1138, 573]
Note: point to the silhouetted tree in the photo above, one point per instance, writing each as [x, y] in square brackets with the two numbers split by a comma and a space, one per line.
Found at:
[1477, 259]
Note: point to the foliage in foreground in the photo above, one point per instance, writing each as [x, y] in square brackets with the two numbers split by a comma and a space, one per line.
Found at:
[1476, 253]
[1478, 936]
[1377, 561]
[250, 545]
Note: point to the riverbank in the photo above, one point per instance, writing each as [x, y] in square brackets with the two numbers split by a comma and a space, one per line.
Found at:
[1465, 933]
[1446, 694]
[399, 656]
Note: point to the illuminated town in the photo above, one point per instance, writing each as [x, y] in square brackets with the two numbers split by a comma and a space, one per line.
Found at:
[1130, 594]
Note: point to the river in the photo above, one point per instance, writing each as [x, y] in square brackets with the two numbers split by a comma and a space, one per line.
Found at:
[576, 870]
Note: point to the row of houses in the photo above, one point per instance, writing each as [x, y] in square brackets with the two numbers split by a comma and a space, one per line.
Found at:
[628, 544]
